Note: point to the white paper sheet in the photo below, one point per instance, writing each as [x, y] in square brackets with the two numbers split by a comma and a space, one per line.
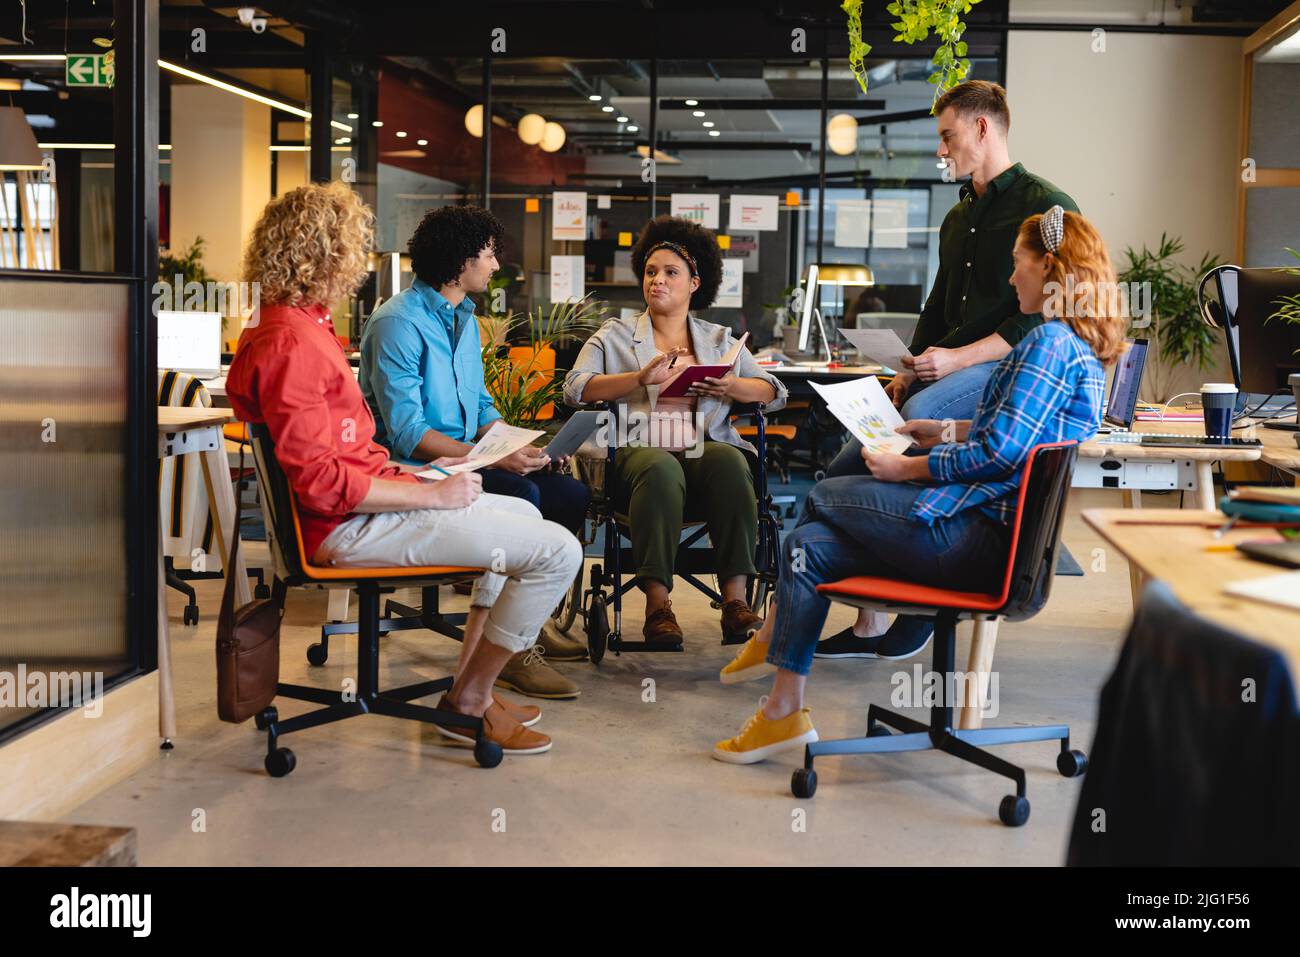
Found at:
[879, 345]
[1281, 589]
[568, 278]
[498, 442]
[568, 215]
[752, 212]
[863, 408]
[731, 291]
[853, 223]
[702, 208]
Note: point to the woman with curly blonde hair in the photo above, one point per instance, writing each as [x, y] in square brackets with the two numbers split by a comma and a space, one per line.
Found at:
[943, 517]
[307, 250]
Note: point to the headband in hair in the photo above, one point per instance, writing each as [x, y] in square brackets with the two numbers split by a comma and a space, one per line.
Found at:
[679, 250]
[1052, 228]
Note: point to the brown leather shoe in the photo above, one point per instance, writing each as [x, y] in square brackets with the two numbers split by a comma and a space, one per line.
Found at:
[526, 714]
[739, 621]
[661, 626]
[498, 726]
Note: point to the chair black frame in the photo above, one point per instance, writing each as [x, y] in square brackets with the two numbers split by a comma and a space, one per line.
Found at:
[1031, 566]
[292, 570]
[689, 561]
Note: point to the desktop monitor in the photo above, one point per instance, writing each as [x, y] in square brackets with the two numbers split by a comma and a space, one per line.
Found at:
[1122, 401]
[190, 342]
[809, 304]
[1261, 353]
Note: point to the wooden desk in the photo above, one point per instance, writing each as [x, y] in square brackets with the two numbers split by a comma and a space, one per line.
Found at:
[1280, 450]
[184, 431]
[1171, 545]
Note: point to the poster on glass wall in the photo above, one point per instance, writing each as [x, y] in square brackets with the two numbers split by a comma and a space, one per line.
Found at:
[702, 208]
[568, 215]
[567, 275]
[731, 292]
[853, 223]
[752, 212]
[889, 224]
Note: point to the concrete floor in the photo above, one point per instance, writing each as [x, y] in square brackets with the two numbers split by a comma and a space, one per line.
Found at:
[628, 781]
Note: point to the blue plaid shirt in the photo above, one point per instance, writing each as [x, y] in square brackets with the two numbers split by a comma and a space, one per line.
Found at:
[1048, 389]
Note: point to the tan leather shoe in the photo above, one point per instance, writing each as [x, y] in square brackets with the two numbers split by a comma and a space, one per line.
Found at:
[661, 626]
[499, 727]
[739, 621]
[559, 646]
[527, 674]
[526, 714]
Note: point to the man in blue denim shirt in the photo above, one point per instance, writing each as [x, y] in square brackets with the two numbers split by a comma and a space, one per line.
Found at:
[422, 376]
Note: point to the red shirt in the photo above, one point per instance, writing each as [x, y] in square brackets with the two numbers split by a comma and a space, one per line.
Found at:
[291, 373]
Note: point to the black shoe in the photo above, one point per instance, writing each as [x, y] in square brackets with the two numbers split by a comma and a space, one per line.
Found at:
[845, 644]
[893, 647]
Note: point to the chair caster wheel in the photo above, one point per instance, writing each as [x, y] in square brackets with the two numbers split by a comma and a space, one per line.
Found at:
[878, 731]
[262, 591]
[265, 718]
[280, 762]
[190, 615]
[1014, 810]
[166, 745]
[1071, 763]
[488, 754]
[317, 654]
[803, 783]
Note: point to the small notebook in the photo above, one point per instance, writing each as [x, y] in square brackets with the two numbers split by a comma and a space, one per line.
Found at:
[1281, 589]
[692, 374]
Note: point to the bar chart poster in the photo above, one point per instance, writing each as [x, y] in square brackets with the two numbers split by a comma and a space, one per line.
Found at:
[731, 291]
[567, 278]
[752, 213]
[568, 215]
[702, 208]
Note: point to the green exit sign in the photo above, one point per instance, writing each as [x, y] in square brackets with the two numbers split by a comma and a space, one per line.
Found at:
[89, 69]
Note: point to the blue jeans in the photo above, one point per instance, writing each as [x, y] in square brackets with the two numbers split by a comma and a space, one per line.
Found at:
[860, 526]
[954, 396]
[560, 498]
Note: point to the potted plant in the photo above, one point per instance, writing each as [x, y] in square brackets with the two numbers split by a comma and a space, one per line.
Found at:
[1288, 307]
[522, 390]
[1172, 320]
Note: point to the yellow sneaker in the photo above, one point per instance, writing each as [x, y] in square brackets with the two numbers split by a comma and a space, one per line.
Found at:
[750, 663]
[761, 738]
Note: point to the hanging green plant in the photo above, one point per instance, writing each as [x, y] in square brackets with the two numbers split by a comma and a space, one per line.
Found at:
[916, 20]
[858, 48]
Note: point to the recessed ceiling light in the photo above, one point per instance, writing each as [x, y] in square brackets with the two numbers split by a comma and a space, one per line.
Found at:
[622, 119]
[401, 132]
[352, 116]
[697, 113]
[692, 102]
[607, 109]
[422, 142]
[707, 124]
[595, 97]
[376, 122]
[633, 128]
[714, 133]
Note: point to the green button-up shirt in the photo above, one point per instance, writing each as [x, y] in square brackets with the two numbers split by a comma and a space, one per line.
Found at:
[972, 295]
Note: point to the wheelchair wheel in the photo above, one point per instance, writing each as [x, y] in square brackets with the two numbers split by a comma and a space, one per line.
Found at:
[567, 610]
[597, 627]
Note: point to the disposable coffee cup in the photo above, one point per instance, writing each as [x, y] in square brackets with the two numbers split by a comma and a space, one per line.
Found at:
[1218, 400]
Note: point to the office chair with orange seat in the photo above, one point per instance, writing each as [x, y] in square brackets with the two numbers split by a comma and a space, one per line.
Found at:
[284, 536]
[1031, 565]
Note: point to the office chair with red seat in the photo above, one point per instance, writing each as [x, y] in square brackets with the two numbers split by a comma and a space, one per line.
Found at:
[1031, 564]
[293, 567]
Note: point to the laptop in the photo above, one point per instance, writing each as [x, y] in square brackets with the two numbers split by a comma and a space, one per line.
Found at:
[1121, 404]
[190, 342]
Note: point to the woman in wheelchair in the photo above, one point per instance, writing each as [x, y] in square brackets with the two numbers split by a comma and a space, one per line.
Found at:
[942, 518]
[678, 450]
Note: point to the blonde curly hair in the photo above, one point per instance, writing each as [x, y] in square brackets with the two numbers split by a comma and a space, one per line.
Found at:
[310, 246]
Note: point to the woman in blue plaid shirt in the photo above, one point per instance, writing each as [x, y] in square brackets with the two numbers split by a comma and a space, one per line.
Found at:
[942, 518]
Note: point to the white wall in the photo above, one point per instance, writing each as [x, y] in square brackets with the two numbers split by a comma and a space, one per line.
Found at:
[1143, 136]
[221, 173]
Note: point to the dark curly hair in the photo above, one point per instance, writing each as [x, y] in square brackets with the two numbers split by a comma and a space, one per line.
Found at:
[447, 237]
[698, 241]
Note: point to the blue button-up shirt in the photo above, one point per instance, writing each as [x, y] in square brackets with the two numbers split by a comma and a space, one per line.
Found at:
[1047, 389]
[422, 368]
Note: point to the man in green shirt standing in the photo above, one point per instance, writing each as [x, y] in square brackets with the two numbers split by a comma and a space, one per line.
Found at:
[971, 318]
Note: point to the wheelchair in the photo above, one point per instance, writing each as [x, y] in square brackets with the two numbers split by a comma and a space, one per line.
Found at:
[604, 582]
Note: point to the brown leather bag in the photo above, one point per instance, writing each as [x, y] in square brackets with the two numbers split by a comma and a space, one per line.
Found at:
[248, 648]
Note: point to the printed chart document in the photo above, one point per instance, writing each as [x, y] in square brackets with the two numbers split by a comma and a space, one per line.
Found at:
[863, 408]
[879, 345]
[498, 442]
[690, 375]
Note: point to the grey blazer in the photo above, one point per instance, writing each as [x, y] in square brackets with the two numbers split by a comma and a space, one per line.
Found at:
[626, 345]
